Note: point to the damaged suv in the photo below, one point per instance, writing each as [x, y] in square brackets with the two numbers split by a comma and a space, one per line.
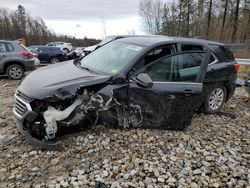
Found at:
[140, 82]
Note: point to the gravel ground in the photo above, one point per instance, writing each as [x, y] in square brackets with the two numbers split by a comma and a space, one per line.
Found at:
[213, 152]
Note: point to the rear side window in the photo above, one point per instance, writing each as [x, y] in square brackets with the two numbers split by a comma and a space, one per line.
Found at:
[10, 47]
[224, 52]
[188, 47]
[3, 47]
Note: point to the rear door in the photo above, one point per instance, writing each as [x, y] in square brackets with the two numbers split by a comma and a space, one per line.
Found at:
[176, 92]
[4, 55]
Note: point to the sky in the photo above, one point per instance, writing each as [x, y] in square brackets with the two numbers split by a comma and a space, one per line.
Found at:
[80, 18]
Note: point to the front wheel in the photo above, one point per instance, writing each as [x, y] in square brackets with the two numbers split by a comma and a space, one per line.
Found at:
[15, 72]
[215, 97]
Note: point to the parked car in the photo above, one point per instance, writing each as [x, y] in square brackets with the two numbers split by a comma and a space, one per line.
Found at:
[47, 54]
[64, 46]
[15, 59]
[144, 82]
[106, 40]
[75, 53]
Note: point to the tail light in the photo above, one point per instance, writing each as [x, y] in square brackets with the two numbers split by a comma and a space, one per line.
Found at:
[236, 67]
[27, 54]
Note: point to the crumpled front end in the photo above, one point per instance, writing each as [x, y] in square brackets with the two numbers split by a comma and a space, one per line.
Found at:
[25, 115]
[42, 121]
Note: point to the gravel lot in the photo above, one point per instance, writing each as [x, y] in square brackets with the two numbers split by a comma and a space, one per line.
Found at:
[213, 152]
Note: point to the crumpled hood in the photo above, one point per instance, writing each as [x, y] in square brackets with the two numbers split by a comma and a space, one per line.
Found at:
[58, 79]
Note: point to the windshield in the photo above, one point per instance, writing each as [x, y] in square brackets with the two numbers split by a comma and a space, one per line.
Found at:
[111, 58]
[105, 41]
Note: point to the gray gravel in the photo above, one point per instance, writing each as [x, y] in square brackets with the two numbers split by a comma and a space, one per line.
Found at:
[213, 152]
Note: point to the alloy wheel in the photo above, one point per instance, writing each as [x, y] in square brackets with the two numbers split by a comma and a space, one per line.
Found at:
[15, 72]
[216, 98]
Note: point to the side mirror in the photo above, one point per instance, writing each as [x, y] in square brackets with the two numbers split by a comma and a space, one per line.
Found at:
[144, 80]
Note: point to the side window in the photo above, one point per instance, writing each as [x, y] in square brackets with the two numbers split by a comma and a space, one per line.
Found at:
[188, 47]
[3, 47]
[158, 53]
[44, 49]
[10, 47]
[36, 50]
[153, 55]
[183, 67]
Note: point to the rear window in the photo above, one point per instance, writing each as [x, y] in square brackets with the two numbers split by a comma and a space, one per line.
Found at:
[224, 52]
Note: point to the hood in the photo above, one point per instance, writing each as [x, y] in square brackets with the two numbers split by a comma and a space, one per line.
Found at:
[60, 79]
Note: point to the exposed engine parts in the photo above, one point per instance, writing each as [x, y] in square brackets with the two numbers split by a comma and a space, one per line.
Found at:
[84, 104]
[53, 115]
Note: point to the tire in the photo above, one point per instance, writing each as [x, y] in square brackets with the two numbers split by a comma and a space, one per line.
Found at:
[15, 72]
[54, 60]
[66, 50]
[215, 97]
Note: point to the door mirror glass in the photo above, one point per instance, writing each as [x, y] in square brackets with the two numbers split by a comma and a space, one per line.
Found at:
[144, 80]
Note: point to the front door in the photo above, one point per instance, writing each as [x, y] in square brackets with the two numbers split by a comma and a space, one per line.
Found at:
[176, 91]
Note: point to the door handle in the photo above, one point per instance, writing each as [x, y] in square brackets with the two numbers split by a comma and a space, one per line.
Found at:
[212, 70]
[188, 91]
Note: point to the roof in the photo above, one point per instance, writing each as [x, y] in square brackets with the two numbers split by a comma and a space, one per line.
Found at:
[9, 41]
[149, 40]
[41, 46]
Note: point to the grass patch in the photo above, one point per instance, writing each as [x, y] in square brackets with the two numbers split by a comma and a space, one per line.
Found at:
[244, 71]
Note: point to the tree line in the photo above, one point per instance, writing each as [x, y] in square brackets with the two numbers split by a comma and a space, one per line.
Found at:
[16, 24]
[220, 20]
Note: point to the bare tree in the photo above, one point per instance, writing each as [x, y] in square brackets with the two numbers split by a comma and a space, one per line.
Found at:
[236, 18]
[151, 13]
[209, 17]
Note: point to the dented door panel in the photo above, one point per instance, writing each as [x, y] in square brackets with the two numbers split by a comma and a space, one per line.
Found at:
[166, 105]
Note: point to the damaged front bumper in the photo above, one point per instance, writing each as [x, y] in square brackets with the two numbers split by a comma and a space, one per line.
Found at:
[21, 110]
[35, 141]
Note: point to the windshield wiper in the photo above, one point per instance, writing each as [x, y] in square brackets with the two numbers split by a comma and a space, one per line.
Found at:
[87, 69]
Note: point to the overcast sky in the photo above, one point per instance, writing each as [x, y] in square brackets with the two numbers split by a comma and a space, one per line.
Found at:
[91, 18]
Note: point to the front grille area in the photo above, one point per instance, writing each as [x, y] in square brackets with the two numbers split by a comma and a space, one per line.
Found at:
[21, 106]
[22, 96]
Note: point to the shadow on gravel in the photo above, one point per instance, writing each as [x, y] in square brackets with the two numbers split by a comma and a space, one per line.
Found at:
[226, 114]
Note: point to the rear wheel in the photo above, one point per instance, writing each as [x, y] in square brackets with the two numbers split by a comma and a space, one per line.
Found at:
[54, 60]
[15, 72]
[214, 99]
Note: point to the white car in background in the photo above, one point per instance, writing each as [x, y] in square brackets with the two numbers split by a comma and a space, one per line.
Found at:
[64, 46]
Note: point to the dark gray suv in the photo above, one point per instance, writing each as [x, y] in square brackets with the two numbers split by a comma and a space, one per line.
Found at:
[15, 59]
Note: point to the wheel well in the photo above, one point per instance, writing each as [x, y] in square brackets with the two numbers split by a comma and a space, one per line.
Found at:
[210, 85]
[12, 63]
